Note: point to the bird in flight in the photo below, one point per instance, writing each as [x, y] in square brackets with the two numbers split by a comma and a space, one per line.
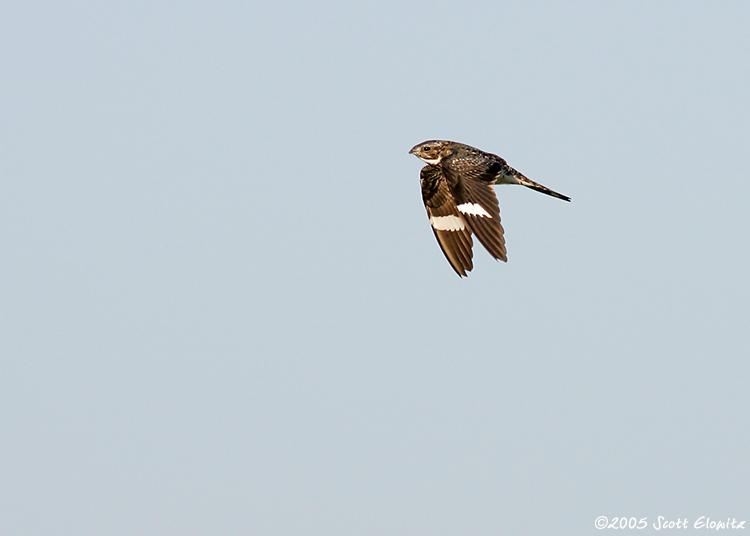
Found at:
[457, 192]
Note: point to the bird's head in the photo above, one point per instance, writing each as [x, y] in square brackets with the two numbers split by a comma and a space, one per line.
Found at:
[432, 151]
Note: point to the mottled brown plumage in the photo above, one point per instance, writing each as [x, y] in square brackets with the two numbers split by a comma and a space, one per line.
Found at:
[457, 192]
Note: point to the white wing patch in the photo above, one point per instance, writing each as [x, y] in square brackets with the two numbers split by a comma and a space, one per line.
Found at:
[447, 223]
[474, 209]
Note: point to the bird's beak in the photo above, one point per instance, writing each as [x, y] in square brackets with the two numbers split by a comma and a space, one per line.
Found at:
[413, 149]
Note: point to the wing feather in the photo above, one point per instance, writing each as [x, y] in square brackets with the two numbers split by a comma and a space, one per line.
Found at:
[451, 229]
[470, 183]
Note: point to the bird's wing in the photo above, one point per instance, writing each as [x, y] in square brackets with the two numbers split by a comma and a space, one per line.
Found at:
[450, 227]
[508, 175]
[470, 181]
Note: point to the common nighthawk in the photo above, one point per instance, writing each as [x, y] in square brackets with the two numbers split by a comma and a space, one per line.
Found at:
[457, 192]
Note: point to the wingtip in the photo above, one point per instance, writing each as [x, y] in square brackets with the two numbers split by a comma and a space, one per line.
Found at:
[557, 195]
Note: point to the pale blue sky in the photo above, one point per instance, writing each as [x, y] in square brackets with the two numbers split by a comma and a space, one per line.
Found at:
[222, 310]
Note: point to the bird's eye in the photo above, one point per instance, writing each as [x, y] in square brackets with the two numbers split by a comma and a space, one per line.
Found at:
[428, 149]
